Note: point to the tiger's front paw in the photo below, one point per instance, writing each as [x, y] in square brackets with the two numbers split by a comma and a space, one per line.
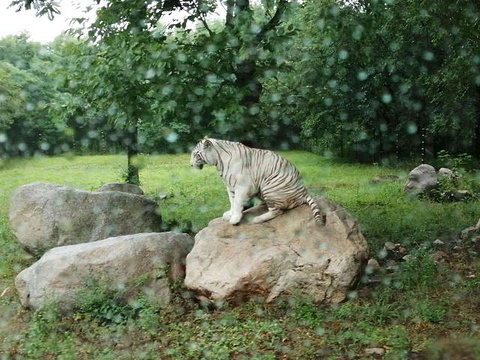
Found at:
[235, 219]
[227, 215]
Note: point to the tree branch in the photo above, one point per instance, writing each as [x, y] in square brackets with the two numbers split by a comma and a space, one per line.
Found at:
[204, 22]
[274, 21]
[230, 11]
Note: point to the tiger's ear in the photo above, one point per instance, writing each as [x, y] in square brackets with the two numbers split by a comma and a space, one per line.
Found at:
[207, 143]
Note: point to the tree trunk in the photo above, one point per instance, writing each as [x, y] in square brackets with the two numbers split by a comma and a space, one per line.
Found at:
[341, 141]
[476, 134]
[132, 151]
[248, 83]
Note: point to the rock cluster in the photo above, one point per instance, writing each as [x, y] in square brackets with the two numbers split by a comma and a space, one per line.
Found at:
[467, 243]
[423, 179]
[83, 231]
[290, 255]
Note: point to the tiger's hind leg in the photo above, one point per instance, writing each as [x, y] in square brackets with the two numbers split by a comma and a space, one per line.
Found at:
[256, 206]
[272, 213]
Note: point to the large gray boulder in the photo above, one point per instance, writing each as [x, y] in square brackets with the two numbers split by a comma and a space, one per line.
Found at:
[421, 179]
[43, 216]
[152, 260]
[286, 256]
[122, 187]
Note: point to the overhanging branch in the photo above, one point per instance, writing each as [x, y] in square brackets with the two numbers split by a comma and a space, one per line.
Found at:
[274, 21]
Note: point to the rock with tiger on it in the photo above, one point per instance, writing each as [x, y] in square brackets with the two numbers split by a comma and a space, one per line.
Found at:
[287, 256]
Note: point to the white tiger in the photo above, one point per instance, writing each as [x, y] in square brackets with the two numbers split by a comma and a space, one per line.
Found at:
[249, 173]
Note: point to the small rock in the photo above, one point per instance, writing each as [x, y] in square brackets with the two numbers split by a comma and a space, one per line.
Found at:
[478, 224]
[438, 256]
[446, 173]
[448, 195]
[389, 246]
[391, 265]
[460, 195]
[407, 258]
[372, 266]
[438, 243]
[471, 276]
[468, 232]
[411, 355]
[394, 251]
[375, 351]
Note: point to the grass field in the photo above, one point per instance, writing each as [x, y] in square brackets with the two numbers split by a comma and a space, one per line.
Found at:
[422, 306]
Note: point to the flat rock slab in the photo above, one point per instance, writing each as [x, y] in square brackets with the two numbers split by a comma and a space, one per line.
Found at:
[289, 255]
[44, 216]
[152, 259]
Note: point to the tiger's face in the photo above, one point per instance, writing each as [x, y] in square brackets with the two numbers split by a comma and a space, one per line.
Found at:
[200, 154]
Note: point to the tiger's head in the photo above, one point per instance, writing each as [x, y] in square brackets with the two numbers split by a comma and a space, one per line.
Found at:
[202, 154]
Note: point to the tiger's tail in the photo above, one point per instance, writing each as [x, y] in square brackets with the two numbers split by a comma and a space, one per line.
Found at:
[318, 215]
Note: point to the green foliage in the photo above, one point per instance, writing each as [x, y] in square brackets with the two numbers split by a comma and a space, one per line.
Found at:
[25, 92]
[309, 313]
[457, 347]
[340, 77]
[457, 163]
[473, 285]
[140, 86]
[419, 272]
[42, 7]
[104, 303]
[362, 324]
[381, 310]
[431, 312]
[44, 338]
[360, 86]
[109, 305]
[448, 190]
[222, 338]
[448, 187]
[362, 335]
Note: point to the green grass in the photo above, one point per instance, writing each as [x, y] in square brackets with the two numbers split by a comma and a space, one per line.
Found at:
[405, 311]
